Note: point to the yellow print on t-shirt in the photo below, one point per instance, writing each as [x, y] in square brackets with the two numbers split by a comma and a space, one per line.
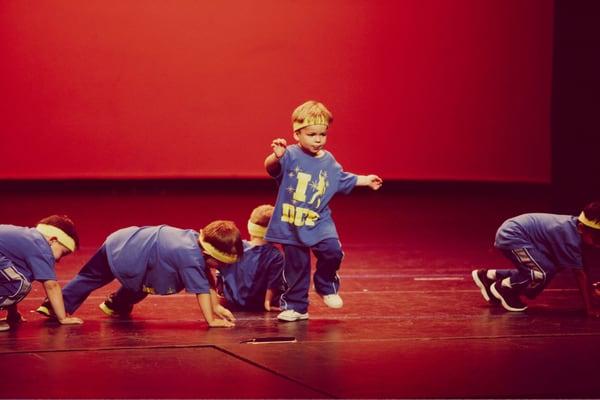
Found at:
[301, 216]
[298, 216]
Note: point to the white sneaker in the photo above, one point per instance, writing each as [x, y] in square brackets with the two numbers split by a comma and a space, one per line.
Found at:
[291, 316]
[333, 301]
[5, 326]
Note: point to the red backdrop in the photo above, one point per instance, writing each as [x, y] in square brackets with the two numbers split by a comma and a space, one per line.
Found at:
[423, 89]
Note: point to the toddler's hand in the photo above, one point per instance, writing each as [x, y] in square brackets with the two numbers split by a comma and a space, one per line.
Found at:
[594, 313]
[71, 321]
[269, 307]
[224, 313]
[220, 323]
[375, 182]
[279, 146]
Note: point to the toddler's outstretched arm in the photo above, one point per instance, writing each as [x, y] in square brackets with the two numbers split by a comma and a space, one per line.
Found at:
[372, 181]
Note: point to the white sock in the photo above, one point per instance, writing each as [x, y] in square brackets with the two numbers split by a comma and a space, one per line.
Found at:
[506, 282]
[491, 274]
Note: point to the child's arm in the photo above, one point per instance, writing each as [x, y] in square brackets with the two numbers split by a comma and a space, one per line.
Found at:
[268, 298]
[586, 292]
[272, 161]
[372, 181]
[54, 294]
[206, 305]
[218, 308]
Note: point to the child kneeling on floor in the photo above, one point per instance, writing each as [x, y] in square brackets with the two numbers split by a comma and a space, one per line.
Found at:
[31, 254]
[159, 260]
[254, 282]
[540, 245]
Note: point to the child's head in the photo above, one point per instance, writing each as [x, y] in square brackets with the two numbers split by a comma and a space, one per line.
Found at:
[221, 243]
[589, 224]
[259, 220]
[310, 122]
[61, 234]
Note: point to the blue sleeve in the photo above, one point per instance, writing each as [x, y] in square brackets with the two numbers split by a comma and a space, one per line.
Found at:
[347, 182]
[42, 267]
[194, 280]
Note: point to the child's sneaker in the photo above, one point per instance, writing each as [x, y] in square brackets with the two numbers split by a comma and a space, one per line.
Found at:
[291, 316]
[508, 297]
[333, 300]
[115, 309]
[46, 309]
[106, 309]
[484, 283]
[4, 326]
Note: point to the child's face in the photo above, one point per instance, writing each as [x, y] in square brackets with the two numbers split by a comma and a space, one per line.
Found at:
[312, 138]
[590, 237]
[210, 261]
[58, 250]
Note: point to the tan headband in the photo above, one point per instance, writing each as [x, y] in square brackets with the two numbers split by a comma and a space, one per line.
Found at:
[216, 253]
[309, 121]
[587, 222]
[59, 234]
[257, 230]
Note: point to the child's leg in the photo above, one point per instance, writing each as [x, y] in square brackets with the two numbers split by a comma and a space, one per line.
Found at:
[296, 274]
[329, 258]
[123, 300]
[534, 271]
[94, 274]
[14, 286]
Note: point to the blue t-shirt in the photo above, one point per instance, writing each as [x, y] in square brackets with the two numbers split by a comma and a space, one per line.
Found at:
[28, 251]
[157, 259]
[306, 185]
[246, 281]
[554, 235]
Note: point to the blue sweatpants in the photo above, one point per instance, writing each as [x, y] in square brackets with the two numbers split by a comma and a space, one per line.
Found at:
[533, 272]
[95, 274]
[296, 273]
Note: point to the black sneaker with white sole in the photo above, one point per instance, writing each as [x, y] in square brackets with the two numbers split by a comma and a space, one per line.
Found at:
[484, 283]
[509, 298]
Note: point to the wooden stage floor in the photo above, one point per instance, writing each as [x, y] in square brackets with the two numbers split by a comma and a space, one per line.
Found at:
[413, 326]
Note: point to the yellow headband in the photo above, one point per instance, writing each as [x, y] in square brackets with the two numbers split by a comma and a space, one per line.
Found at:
[215, 253]
[587, 222]
[59, 234]
[256, 230]
[316, 120]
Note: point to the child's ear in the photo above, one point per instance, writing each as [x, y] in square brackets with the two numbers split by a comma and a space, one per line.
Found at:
[296, 135]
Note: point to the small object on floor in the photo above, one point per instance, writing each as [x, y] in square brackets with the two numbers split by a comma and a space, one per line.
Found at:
[333, 300]
[291, 316]
[271, 339]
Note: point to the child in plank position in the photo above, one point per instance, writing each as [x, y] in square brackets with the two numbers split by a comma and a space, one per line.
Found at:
[254, 282]
[31, 254]
[159, 260]
[539, 245]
